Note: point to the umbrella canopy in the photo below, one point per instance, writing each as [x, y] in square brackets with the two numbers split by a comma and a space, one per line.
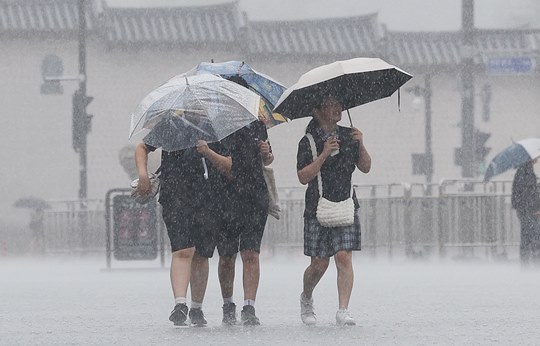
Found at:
[353, 82]
[32, 203]
[269, 89]
[190, 108]
[513, 156]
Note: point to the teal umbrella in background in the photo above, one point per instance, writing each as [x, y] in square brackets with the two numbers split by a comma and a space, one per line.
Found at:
[513, 156]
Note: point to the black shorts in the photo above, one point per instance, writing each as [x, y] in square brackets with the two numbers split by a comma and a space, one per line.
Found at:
[189, 226]
[245, 230]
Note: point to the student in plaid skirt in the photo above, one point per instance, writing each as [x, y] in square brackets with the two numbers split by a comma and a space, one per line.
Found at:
[340, 150]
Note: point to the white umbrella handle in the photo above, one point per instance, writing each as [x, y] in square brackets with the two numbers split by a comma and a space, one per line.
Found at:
[205, 168]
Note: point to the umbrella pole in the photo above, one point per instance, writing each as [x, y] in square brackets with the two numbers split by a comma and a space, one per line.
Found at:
[350, 120]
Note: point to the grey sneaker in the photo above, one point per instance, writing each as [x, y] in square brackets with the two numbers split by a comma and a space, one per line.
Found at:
[229, 314]
[344, 318]
[306, 310]
[196, 317]
[248, 316]
[179, 315]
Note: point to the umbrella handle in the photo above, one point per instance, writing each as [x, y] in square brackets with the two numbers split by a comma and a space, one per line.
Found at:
[205, 168]
[350, 120]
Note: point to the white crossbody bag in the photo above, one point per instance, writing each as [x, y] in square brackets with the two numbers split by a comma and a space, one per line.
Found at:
[331, 214]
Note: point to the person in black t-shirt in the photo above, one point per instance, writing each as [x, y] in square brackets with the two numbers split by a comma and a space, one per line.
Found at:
[194, 202]
[250, 150]
[526, 200]
[340, 151]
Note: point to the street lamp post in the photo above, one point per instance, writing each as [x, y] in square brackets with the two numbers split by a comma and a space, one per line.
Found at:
[83, 176]
[423, 163]
[467, 85]
[52, 71]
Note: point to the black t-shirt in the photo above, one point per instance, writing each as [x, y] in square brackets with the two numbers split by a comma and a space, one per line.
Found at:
[182, 177]
[336, 171]
[525, 193]
[249, 185]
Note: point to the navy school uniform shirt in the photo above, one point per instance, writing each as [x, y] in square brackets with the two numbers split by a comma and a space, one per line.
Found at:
[249, 185]
[336, 171]
[182, 177]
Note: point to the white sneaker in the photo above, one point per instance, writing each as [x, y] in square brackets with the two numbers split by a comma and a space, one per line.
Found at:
[306, 310]
[344, 318]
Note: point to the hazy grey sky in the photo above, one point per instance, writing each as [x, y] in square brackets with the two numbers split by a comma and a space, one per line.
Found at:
[401, 15]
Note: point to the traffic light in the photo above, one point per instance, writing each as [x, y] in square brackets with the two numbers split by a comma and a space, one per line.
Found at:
[81, 120]
[480, 149]
[474, 157]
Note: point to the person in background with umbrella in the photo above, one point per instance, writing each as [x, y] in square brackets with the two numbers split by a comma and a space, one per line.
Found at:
[250, 150]
[193, 200]
[340, 151]
[37, 227]
[37, 207]
[526, 201]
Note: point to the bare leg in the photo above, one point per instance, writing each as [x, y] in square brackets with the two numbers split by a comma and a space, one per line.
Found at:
[199, 278]
[226, 275]
[345, 277]
[181, 271]
[313, 274]
[251, 273]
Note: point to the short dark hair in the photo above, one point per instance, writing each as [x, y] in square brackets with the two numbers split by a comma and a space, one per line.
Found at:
[238, 80]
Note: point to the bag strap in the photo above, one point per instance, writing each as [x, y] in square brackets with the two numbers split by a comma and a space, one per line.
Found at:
[314, 153]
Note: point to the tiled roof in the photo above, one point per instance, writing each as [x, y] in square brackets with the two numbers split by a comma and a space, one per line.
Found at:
[54, 16]
[223, 27]
[444, 48]
[414, 48]
[315, 37]
[206, 24]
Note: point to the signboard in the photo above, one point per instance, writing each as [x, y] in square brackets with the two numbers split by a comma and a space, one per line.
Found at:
[135, 229]
[510, 65]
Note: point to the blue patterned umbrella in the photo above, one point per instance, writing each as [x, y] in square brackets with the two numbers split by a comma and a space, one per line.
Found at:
[269, 89]
[513, 156]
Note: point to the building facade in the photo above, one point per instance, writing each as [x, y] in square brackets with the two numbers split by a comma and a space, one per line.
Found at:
[130, 51]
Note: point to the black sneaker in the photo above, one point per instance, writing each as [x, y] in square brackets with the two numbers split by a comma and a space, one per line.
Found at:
[179, 315]
[248, 316]
[196, 317]
[229, 314]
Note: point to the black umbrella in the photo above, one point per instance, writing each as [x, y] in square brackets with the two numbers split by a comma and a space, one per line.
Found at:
[31, 203]
[352, 82]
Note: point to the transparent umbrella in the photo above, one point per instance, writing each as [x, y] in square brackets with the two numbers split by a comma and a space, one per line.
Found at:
[190, 108]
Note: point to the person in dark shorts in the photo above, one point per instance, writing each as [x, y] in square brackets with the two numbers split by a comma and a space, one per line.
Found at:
[193, 194]
[526, 200]
[249, 150]
[340, 151]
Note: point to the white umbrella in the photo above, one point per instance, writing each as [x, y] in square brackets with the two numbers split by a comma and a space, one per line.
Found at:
[353, 82]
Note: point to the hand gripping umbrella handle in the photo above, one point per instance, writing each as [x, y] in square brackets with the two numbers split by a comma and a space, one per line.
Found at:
[205, 168]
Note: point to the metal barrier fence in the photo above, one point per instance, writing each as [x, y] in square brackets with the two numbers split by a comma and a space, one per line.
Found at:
[72, 228]
[459, 218]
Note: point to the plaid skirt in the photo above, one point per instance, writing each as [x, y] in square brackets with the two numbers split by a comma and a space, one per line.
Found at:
[322, 241]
